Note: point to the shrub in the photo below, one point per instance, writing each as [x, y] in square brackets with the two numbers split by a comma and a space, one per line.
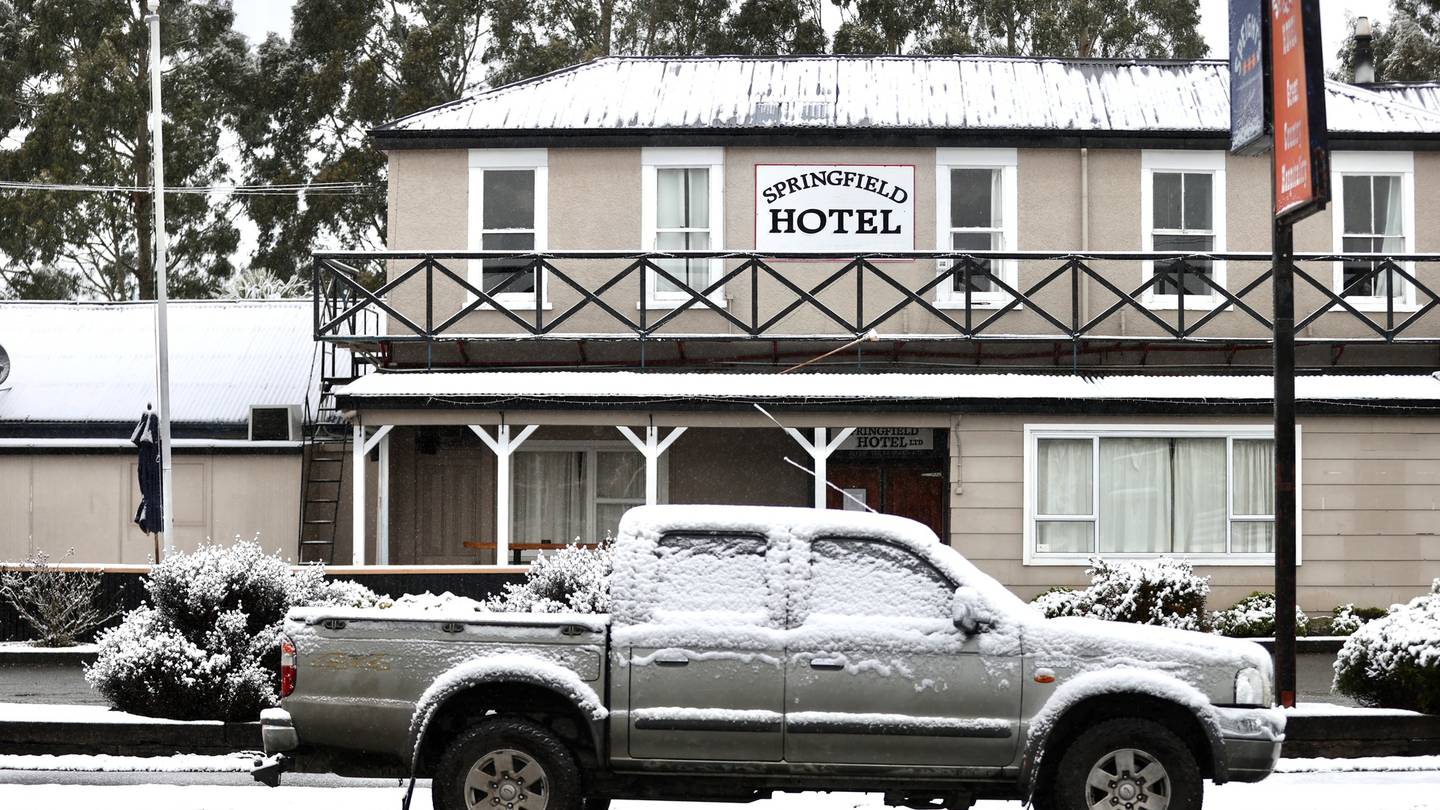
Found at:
[575, 579]
[1163, 591]
[204, 648]
[1346, 619]
[1394, 661]
[59, 606]
[1254, 617]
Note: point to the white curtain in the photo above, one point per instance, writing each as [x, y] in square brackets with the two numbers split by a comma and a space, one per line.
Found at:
[1254, 494]
[547, 497]
[1199, 497]
[682, 201]
[1389, 218]
[1135, 484]
[1064, 488]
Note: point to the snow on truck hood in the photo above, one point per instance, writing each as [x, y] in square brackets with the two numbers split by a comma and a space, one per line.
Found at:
[1083, 643]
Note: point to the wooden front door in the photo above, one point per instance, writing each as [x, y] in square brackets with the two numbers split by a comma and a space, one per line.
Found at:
[912, 489]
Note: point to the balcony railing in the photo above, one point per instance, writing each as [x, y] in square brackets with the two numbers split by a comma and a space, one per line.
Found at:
[434, 296]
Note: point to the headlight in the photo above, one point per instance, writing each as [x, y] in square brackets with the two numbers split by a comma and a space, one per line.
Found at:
[1252, 688]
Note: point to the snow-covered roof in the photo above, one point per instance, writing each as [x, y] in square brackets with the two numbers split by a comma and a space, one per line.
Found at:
[612, 386]
[90, 362]
[884, 92]
[1425, 95]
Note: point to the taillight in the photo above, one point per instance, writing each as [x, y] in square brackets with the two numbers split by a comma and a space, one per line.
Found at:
[287, 666]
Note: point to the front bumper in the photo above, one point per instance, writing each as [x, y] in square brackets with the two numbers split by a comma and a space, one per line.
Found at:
[277, 732]
[1252, 740]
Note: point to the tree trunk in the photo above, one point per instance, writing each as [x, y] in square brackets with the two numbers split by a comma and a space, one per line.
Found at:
[607, 13]
[141, 206]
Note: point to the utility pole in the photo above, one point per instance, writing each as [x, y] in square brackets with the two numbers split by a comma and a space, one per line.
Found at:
[162, 291]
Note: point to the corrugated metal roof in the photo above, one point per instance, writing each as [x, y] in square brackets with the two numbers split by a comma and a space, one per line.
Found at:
[81, 362]
[888, 92]
[1424, 95]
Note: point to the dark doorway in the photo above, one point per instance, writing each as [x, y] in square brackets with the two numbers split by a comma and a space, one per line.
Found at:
[908, 483]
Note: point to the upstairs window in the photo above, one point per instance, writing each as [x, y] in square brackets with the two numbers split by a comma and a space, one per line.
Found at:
[507, 212]
[1375, 215]
[1183, 208]
[977, 208]
[682, 206]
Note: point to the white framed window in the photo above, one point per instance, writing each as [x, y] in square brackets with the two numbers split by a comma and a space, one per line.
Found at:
[507, 211]
[1376, 214]
[1182, 210]
[682, 207]
[1205, 493]
[562, 491]
[977, 208]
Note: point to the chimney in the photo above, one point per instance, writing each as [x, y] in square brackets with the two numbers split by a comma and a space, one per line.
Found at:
[1364, 54]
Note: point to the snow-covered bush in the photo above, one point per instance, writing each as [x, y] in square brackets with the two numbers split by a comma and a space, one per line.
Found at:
[575, 579]
[1346, 619]
[1254, 617]
[1394, 661]
[1162, 591]
[204, 646]
[60, 606]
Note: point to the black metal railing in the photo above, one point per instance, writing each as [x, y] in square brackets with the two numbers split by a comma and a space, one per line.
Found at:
[431, 296]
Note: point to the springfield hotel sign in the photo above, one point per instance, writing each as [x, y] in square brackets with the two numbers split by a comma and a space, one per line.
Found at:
[834, 207]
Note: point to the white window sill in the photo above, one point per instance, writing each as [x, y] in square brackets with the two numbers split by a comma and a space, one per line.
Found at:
[527, 305]
[695, 304]
[1198, 303]
[1221, 560]
[1375, 305]
[975, 303]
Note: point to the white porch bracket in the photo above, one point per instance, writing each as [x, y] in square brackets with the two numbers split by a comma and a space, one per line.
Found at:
[820, 451]
[360, 445]
[503, 445]
[652, 447]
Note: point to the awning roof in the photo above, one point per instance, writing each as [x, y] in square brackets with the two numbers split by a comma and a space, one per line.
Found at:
[609, 388]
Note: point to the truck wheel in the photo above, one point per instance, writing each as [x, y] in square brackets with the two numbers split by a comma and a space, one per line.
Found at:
[1127, 764]
[506, 763]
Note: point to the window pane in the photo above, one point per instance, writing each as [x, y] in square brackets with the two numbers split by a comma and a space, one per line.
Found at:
[1387, 213]
[1198, 199]
[968, 241]
[695, 272]
[863, 577]
[547, 496]
[1254, 477]
[607, 519]
[1169, 272]
[1356, 194]
[1063, 468]
[1167, 200]
[974, 198]
[711, 575]
[1357, 272]
[683, 198]
[1252, 537]
[620, 475]
[1134, 495]
[498, 274]
[1199, 502]
[1064, 537]
[509, 198]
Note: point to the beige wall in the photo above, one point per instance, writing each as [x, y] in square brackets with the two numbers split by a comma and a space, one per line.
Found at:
[1370, 490]
[55, 502]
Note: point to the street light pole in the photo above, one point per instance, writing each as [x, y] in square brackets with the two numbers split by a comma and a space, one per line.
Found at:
[162, 327]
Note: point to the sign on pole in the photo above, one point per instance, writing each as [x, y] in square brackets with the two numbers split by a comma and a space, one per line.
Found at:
[1297, 83]
[1249, 101]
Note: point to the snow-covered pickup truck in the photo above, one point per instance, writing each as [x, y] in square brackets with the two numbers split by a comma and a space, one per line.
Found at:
[750, 650]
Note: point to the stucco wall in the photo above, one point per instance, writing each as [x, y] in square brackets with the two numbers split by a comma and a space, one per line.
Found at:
[55, 502]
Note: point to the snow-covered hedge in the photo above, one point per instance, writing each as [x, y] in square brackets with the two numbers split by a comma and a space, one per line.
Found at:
[203, 648]
[1254, 617]
[575, 579]
[1162, 591]
[1394, 661]
[1346, 619]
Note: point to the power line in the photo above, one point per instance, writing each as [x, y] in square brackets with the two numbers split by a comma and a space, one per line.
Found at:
[260, 190]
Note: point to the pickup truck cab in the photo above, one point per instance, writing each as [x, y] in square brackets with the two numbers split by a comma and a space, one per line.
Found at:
[756, 649]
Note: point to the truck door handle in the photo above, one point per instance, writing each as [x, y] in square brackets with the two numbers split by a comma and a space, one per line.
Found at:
[827, 663]
[672, 662]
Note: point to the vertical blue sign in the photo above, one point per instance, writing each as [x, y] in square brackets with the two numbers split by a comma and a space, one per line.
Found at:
[1247, 77]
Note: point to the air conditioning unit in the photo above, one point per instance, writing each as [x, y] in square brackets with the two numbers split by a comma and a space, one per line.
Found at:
[274, 423]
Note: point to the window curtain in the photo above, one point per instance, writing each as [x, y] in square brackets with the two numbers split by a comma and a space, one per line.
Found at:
[682, 200]
[1135, 515]
[547, 497]
[1254, 494]
[1199, 496]
[1388, 221]
[1064, 488]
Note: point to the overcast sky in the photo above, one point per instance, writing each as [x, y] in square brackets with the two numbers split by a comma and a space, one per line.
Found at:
[255, 18]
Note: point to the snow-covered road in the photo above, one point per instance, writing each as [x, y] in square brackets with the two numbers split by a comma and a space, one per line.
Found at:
[1325, 790]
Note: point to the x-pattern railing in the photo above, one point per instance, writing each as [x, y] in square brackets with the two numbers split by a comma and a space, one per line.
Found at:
[347, 309]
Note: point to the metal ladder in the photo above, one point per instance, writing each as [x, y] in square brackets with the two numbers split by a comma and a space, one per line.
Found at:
[327, 453]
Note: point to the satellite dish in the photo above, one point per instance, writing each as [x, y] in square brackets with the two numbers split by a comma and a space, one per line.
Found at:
[4, 365]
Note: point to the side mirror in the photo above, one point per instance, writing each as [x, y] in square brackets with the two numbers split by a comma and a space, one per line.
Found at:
[969, 612]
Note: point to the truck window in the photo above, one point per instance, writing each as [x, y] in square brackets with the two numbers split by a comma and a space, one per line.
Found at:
[871, 578]
[712, 574]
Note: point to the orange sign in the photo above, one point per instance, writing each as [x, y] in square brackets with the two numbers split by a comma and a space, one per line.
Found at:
[1290, 87]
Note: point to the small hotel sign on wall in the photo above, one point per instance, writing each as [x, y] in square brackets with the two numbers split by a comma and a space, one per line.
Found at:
[834, 208]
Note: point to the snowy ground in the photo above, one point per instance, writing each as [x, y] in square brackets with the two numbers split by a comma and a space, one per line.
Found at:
[1384, 783]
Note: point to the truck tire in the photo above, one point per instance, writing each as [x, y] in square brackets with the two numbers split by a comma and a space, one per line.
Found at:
[506, 763]
[1126, 764]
